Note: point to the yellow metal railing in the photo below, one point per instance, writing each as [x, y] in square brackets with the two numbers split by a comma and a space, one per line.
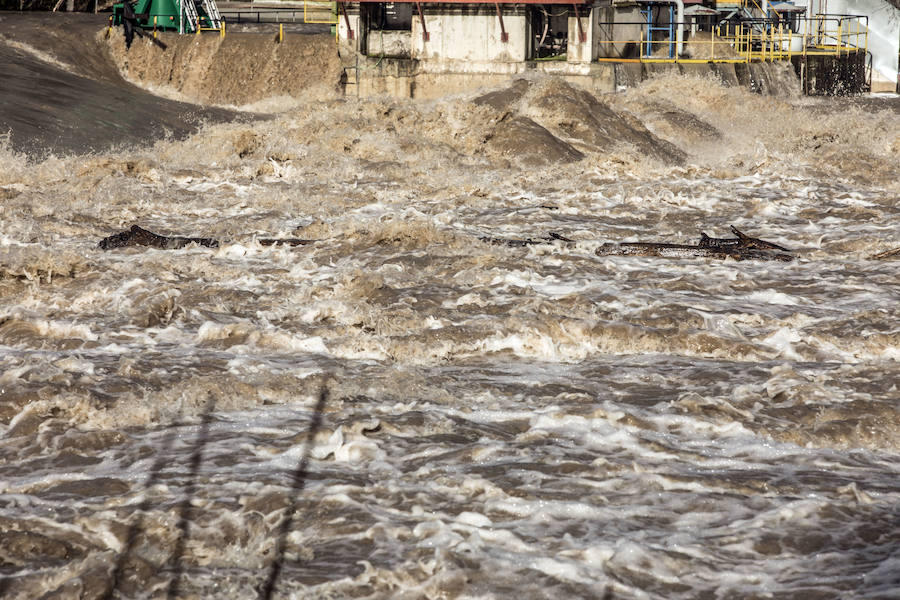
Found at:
[822, 34]
[316, 11]
[755, 44]
[717, 49]
[837, 33]
[748, 3]
[762, 40]
[313, 11]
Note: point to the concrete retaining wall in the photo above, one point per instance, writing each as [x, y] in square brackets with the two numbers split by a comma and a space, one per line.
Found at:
[425, 79]
[470, 34]
[843, 75]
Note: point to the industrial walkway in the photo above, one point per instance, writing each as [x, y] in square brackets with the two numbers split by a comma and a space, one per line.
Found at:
[296, 17]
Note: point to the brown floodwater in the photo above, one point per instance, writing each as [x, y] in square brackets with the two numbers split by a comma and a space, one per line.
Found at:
[405, 408]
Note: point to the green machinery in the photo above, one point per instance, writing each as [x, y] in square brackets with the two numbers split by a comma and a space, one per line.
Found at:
[183, 16]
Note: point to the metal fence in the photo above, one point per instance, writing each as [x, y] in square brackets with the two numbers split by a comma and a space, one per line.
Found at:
[313, 11]
[744, 41]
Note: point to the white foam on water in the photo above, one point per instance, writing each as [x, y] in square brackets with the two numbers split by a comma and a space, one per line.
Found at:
[783, 340]
[534, 344]
[210, 331]
[498, 420]
[774, 297]
[549, 286]
[58, 329]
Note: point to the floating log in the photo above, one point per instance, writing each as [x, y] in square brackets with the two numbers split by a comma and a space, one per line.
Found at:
[283, 242]
[138, 236]
[519, 243]
[742, 247]
[741, 241]
[886, 254]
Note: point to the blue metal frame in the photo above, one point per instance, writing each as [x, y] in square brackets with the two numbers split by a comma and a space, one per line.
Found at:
[670, 29]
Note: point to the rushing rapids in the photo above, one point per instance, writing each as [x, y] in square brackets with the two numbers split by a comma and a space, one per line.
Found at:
[412, 405]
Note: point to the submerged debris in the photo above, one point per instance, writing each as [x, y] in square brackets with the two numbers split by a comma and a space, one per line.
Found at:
[138, 236]
[519, 243]
[886, 254]
[742, 247]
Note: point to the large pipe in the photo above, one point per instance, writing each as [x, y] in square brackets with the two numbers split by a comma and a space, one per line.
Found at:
[679, 27]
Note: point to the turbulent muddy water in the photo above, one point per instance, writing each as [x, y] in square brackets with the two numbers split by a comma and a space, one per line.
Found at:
[401, 409]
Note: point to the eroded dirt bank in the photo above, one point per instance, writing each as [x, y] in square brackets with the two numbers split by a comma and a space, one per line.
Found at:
[69, 88]
[239, 69]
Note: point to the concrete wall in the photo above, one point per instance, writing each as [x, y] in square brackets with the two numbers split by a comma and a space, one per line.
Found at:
[831, 75]
[412, 79]
[347, 44]
[391, 44]
[628, 19]
[587, 51]
[456, 33]
[470, 33]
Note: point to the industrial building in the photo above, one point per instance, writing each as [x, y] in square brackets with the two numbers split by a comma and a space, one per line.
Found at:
[425, 48]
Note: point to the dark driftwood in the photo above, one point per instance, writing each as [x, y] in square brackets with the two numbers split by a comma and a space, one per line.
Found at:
[886, 254]
[138, 236]
[741, 241]
[283, 242]
[519, 243]
[742, 247]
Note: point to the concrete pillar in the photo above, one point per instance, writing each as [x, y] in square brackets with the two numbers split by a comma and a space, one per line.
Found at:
[351, 44]
[589, 49]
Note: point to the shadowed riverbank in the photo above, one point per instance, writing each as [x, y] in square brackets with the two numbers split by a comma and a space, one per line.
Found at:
[63, 95]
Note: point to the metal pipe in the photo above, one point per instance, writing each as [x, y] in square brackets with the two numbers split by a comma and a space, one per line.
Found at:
[343, 9]
[679, 25]
[582, 36]
[425, 36]
[504, 37]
